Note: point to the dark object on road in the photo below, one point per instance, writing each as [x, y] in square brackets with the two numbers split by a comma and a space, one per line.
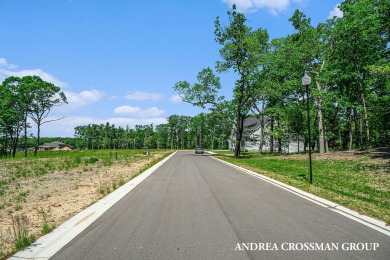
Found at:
[199, 150]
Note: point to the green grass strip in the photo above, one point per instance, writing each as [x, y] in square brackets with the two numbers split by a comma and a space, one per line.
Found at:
[359, 185]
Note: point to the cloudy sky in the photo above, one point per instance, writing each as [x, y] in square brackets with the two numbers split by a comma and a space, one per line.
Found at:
[117, 61]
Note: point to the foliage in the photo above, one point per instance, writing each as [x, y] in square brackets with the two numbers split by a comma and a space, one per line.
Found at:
[202, 93]
[21, 98]
[180, 132]
[242, 50]
[347, 58]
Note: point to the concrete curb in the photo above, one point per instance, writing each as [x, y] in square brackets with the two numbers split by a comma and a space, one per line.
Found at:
[46, 246]
[365, 220]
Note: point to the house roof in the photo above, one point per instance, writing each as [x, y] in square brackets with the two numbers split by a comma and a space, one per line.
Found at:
[54, 145]
[251, 124]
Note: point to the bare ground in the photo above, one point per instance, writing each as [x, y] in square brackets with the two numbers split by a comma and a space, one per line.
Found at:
[60, 195]
[374, 155]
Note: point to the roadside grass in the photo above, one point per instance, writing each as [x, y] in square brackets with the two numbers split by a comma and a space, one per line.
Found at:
[232, 152]
[361, 184]
[20, 232]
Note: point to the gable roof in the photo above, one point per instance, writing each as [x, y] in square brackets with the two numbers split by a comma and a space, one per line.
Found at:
[54, 145]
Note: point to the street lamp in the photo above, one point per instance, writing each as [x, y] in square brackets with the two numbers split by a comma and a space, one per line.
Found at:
[306, 80]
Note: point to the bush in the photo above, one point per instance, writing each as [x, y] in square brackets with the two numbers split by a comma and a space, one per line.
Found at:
[93, 159]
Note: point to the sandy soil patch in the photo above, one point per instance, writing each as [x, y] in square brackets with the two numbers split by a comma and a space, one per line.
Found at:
[60, 195]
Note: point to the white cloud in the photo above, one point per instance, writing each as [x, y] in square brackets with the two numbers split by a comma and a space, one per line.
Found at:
[274, 6]
[83, 98]
[34, 72]
[4, 63]
[7, 71]
[141, 95]
[138, 112]
[151, 112]
[126, 110]
[176, 99]
[335, 12]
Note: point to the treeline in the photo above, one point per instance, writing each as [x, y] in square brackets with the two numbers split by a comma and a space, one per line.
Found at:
[181, 132]
[347, 59]
[22, 99]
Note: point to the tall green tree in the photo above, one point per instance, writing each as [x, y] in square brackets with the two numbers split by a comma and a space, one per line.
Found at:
[242, 51]
[310, 54]
[46, 96]
[358, 40]
[18, 95]
[11, 116]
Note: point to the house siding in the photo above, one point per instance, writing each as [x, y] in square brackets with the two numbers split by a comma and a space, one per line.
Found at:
[251, 141]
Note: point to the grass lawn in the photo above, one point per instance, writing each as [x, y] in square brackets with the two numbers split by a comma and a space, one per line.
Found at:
[232, 152]
[361, 183]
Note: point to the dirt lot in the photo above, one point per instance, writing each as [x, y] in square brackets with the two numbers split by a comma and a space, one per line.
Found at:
[374, 155]
[55, 197]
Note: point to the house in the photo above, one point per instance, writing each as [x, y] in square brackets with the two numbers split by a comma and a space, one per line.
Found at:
[251, 138]
[56, 146]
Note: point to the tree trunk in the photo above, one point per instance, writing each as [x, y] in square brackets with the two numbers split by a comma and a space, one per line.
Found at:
[366, 119]
[361, 129]
[15, 144]
[340, 136]
[3, 151]
[271, 141]
[262, 127]
[239, 131]
[326, 141]
[38, 138]
[357, 133]
[350, 130]
[25, 135]
[240, 119]
[279, 140]
[320, 120]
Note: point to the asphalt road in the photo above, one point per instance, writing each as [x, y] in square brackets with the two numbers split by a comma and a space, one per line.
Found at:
[194, 207]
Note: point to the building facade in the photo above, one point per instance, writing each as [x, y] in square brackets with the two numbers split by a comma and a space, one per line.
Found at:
[252, 135]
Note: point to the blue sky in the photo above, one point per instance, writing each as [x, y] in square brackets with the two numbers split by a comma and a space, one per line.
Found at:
[118, 60]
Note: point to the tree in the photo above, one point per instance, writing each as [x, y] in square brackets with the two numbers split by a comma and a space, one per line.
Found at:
[16, 96]
[11, 117]
[46, 96]
[242, 51]
[202, 93]
[357, 41]
[308, 50]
